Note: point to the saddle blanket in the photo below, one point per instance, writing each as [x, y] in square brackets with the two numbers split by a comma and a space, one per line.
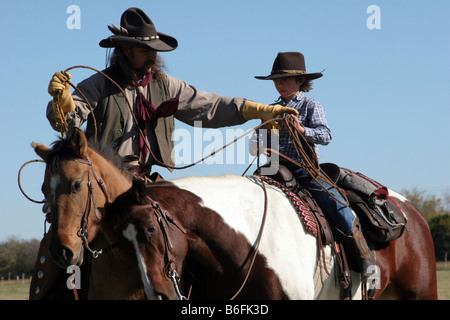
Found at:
[304, 212]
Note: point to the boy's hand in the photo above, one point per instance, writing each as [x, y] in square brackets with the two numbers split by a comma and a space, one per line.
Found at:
[298, 126]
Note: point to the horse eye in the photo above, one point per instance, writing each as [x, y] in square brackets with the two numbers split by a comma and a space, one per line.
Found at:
[76, 186]
[150, 231]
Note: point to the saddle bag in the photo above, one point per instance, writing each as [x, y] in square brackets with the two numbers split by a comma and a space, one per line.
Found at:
[380, 217]
[381, 224]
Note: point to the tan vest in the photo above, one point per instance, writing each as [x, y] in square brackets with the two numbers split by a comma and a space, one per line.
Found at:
[113, 108]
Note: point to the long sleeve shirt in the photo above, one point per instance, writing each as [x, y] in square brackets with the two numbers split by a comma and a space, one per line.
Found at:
[311, 116]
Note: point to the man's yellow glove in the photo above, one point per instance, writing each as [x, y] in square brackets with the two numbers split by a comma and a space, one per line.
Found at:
[59, 88]
[255, 110]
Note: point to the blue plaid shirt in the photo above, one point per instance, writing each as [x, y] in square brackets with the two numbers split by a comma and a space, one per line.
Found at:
[312, 117]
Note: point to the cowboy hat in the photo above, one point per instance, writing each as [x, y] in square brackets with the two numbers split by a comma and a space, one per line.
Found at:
[289, 64]
[137, 30]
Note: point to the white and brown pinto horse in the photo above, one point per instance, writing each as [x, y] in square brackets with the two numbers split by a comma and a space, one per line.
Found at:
[203, 230]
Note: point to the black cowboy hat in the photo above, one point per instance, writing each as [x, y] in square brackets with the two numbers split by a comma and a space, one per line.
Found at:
[137, 30]
[289, 64]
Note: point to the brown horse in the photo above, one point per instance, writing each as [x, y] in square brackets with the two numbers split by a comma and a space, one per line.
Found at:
[78, 183]
[205, 237]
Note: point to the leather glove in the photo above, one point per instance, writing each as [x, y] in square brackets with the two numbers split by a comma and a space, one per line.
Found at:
[59, 87]
[255, 110]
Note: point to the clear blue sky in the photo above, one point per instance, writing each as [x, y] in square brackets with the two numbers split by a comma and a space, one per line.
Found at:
[386, 91]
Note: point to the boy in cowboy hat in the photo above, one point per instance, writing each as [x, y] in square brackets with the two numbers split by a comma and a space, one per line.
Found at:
[156, 98]
[291, 81]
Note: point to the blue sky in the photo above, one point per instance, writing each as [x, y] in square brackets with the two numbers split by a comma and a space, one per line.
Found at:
[385, 91]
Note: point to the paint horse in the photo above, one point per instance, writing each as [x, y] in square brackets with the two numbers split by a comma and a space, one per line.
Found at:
[196, 237]
[201, 233]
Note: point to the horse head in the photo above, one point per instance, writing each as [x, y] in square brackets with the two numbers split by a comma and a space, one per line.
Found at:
[158, 238]
[75, 194]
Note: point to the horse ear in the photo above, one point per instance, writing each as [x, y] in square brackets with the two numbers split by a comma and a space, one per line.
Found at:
[41, 150]
[78, 143]
[139, 189]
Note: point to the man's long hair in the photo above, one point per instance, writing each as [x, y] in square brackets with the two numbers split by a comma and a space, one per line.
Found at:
[118, 57]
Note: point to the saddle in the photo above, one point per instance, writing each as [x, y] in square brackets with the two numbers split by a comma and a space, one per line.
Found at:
[381, 218]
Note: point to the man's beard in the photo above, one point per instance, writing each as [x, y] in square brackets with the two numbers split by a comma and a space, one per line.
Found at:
[139, 73]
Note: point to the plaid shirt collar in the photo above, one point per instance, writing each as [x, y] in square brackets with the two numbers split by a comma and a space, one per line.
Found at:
[295, 100]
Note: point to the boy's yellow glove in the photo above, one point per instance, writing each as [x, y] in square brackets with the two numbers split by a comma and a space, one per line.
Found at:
[59, 88]
[255, 110]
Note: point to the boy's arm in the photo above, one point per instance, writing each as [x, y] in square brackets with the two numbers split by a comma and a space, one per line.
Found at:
[317, 130]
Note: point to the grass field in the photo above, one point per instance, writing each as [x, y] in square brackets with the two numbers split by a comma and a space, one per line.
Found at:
[11, 290]
[18, 291]
[443, 277]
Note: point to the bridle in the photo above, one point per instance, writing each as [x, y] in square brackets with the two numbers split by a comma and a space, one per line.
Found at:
[164, 221]
[83, 233]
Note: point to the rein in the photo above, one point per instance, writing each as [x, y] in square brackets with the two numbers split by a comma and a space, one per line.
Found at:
[82, 233]
[258, 240]
[164, 221]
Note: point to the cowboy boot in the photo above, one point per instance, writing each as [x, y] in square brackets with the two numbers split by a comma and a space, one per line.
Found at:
[362, 257]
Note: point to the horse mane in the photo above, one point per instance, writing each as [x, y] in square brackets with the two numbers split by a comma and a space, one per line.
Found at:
[118, 211]
[61, 150]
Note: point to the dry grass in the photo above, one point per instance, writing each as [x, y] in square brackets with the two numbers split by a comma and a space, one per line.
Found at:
[12, 290]
[443, 277]
[17, 291]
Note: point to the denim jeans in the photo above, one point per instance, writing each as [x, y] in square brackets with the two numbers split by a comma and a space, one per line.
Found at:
[341, 215]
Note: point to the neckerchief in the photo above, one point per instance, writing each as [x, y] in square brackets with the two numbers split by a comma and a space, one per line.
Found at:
[148, 112]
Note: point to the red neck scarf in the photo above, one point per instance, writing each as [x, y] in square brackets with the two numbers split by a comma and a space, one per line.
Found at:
[148, 112]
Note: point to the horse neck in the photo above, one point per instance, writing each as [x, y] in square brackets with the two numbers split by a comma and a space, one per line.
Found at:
[115, 276]
[116, 182]
[118, 261]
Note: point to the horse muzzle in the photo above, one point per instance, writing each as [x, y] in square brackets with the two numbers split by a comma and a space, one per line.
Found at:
[65, 257]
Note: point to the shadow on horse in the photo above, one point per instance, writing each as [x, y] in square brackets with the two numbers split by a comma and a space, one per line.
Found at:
[197, 236]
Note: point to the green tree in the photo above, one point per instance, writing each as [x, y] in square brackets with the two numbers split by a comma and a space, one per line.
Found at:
[427, 204]
[17, 256]
[436, 212]
[440, 231]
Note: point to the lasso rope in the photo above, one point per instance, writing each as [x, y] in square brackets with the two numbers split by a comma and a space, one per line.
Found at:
[20, 186]
[302, 147]
[140, 131]
[310, 162]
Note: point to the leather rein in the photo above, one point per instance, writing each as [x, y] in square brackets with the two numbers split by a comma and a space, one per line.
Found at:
[83, 233]
[164, 221]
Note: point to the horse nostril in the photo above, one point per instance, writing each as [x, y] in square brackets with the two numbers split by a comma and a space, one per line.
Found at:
[67, 254]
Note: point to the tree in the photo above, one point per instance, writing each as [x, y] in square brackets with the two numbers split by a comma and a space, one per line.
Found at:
[18, 256]
[428, 205]
[436, 212]
[440, 231]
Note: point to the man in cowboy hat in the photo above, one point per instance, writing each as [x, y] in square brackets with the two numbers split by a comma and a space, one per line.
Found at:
[291, 81]
[136, 67]
[157, 99]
